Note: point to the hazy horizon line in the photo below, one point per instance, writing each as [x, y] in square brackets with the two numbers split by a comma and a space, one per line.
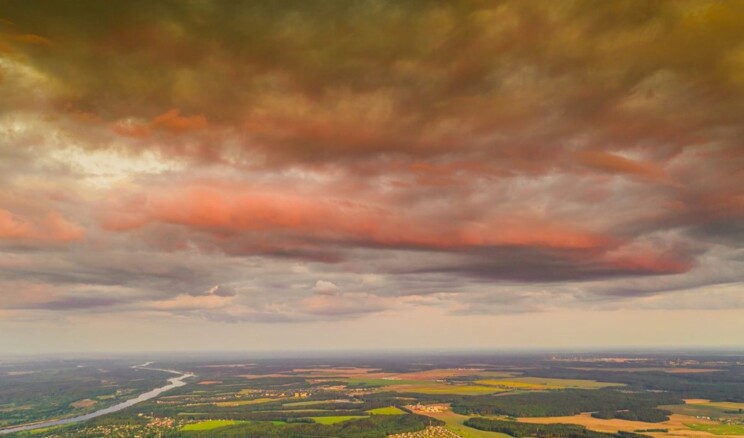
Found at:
[335, 353]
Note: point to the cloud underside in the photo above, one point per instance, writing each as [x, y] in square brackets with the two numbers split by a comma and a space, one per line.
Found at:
[298, 162]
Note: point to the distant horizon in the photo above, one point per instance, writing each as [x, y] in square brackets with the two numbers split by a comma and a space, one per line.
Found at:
[402, 352]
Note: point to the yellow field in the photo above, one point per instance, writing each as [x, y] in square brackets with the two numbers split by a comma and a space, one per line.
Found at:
[209, 425]
[677, 425]
[724, 405]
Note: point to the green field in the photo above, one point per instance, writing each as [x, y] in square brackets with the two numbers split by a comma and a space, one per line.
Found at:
[485, 386]
[425, 386]
[297, 410]
[729, 406]
[719, 429]
[209, 425]
[390, 410]
[48, 429]
[336, 419]
[713, 410]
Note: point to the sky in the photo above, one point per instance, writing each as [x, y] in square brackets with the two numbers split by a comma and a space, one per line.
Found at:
[189, 175]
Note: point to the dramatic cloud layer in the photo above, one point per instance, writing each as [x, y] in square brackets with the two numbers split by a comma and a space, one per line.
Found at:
[305, 162]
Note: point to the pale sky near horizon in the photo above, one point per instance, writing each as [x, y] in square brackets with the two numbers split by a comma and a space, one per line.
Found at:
[219, 175]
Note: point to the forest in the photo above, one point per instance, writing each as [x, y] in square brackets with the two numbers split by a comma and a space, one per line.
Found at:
[609, 403]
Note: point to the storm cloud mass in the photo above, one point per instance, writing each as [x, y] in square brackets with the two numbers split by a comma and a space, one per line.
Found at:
[305, 164]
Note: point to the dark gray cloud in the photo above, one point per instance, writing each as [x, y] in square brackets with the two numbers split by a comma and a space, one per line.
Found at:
[75, 303]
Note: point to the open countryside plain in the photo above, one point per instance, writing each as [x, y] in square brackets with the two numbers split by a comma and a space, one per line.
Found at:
[309, 398]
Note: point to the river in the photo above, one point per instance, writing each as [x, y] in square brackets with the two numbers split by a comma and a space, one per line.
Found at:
[174, 382]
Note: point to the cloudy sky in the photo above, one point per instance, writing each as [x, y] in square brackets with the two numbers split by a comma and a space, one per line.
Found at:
[219, 175]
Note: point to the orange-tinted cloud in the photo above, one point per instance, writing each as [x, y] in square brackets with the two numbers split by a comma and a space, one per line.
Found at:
[174, 121]
[51, 227]
[245, 210]
[612, 163]
[32, 39]
[129, 129]
[171, 121]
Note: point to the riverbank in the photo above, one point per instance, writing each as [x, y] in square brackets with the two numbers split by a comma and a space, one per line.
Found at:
[174, 382]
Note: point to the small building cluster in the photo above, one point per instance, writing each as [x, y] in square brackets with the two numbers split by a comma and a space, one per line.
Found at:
[430, 409]
[429, 432]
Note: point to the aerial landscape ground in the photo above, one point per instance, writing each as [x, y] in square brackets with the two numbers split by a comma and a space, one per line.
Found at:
[379, 395]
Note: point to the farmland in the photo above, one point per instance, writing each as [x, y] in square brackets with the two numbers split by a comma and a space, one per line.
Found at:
[677, 425]
[708, 409]
[379, 397]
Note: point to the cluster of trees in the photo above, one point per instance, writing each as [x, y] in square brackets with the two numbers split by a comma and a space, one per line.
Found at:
[516, 429]
[610, 402]
[724, 385]
[650, 415]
